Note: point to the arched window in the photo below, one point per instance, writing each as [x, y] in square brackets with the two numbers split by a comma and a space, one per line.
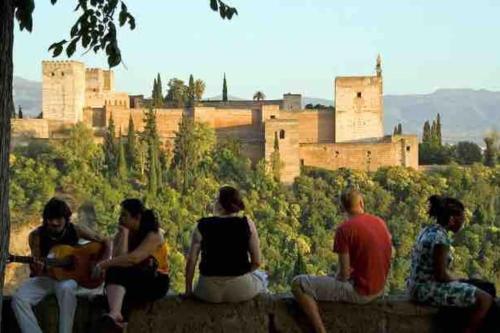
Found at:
[282, 134]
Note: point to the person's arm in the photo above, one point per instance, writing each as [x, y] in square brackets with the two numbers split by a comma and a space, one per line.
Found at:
[341, 247]
[120, 242]
[440, 256]
[38, 266]
[254, 246]
[92, 236]
[344, 272]
[147, 247]
[192, 259]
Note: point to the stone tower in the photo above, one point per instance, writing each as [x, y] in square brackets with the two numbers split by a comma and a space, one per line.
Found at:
[359, 107]
[63, 90]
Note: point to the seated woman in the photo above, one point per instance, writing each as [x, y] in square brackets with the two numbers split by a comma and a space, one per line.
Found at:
[429, 281]
[230, 253]
[139, 267]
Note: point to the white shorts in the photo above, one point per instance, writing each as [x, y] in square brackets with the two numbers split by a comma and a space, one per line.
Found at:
[328, 288]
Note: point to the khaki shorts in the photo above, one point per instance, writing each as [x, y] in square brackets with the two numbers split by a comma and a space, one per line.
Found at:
[328, 288]
[232, 289]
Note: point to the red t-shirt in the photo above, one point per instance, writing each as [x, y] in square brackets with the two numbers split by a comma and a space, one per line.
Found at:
[368, 242]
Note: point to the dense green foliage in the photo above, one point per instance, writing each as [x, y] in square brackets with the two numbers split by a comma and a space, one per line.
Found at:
[296, 224]
[181, 95]
[432, 150]
[467, 153]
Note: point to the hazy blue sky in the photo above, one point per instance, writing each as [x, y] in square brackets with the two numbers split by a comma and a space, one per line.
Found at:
[280, 46]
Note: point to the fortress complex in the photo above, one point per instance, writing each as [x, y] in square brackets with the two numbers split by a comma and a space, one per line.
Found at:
[351, 135]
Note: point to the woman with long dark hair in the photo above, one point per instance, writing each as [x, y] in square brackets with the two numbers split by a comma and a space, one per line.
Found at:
[139, 267]
[430, 281]
[230, 253]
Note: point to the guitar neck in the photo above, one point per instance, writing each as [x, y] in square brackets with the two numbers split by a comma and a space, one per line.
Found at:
[48, 261]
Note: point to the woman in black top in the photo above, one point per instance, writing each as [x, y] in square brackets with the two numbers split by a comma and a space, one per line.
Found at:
[138, 268]
[230, 253]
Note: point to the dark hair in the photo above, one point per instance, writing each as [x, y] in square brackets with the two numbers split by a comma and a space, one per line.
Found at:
[135, 207]
[442, 208]
[56, 208]
[230, 199]
[149, 222]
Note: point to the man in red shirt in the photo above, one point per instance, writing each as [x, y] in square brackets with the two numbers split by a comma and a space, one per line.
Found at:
[363, 244]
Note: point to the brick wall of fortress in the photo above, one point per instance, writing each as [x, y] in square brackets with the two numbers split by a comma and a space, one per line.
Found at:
[63, 90]
[313, 126]
[358, 108]
[400, 150]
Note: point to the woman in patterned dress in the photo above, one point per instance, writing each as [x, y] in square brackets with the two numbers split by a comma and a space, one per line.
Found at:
[429, 281]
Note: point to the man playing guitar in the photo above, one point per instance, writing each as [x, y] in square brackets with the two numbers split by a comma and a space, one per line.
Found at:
[56, 229]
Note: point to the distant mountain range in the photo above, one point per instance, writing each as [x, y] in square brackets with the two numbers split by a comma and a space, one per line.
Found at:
[466, 114]
[28, 95]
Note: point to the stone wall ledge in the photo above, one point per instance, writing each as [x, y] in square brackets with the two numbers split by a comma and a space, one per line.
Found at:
[266, 313]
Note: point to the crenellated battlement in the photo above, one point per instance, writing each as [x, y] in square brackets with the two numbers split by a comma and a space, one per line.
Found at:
[58, 64]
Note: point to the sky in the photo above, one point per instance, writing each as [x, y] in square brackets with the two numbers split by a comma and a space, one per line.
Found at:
[280, 46]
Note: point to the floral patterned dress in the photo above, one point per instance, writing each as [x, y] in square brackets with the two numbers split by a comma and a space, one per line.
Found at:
[421, 284]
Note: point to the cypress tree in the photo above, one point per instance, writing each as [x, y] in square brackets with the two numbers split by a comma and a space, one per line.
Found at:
[434, 137]
[110, 147]
[191, 95]
[121, 163]
[276, 159]
[132, 157]
[154, 91]
[426, 137]
[490, 153]
[153, 172]
[438, 130]
[152, 142]
[159, 92]
[400, 129]
[395, 132]
[224, 89]
[20, 113]
[159, 169]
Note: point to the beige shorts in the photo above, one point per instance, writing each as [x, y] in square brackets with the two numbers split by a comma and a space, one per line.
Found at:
[328, 288]
[218, 289]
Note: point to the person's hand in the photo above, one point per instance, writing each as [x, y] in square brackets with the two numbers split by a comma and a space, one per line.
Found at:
[122, 229]
[38, 266]
[97, 271]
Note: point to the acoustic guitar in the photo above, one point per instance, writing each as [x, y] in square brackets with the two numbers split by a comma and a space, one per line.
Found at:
[70, 262]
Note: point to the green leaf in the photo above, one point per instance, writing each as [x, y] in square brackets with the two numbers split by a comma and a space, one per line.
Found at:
[53, 2]
[85, 40]
[114, 58]
[231, 12]
[74, 30]
[24, 11]
[57, 51]
[131, 21]
[214, 5]
[222, 11]
[71, 48]
[122, 18]
[57, 48]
